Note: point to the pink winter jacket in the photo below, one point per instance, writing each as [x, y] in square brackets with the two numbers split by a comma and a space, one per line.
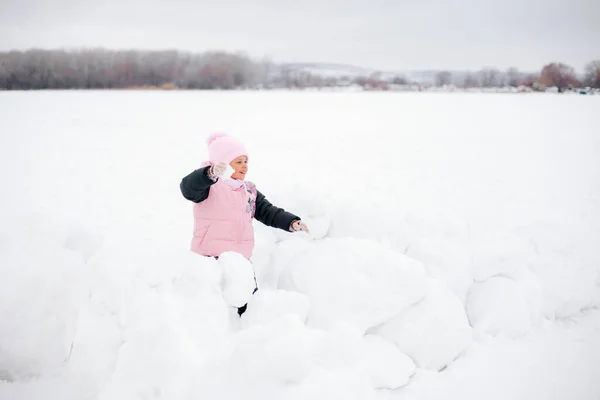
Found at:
[223, 215]
[223, 222]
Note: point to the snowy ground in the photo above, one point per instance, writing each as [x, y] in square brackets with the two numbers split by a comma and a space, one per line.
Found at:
[455, 250]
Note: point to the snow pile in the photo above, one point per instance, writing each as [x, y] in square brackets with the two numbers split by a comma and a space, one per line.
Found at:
[162, 324]
[435, 245]
[378, 290]
[165, 308]
[330, 293]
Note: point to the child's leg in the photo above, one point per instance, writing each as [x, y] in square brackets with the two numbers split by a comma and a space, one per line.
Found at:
[242, 309]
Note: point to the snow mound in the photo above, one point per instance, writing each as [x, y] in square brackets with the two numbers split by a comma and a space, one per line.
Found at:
[355, 281]
[147, 333]
[434, 331]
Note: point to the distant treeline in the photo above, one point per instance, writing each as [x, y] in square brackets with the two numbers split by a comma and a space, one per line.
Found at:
[110, 69]
[106, 69]
[557, 75]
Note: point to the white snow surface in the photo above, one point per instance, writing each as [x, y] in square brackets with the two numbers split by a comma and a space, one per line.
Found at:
[454, 249]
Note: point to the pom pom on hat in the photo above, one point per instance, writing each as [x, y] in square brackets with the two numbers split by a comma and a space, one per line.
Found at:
[224, 148]
[214, 137]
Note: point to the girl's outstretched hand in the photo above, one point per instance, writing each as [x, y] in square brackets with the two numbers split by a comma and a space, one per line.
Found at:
[299, 226]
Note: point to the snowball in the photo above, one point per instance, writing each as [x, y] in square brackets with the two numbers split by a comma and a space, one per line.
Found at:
[238, 279]
[434, 331]
[357, 281]
[317, 224]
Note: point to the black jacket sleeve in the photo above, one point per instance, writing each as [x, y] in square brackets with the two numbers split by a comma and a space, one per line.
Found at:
[196, 186]
[271, 215]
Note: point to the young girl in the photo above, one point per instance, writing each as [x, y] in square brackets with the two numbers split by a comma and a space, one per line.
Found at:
[226, 205]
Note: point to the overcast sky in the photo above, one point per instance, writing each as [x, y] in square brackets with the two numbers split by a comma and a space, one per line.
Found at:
[381, 34]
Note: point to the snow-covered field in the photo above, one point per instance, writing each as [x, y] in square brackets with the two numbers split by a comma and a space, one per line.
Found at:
[455, 248]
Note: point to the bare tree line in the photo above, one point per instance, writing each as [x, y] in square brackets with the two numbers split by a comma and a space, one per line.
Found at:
[109, 69]
[102, 69]
[485, 78]
[557, 75]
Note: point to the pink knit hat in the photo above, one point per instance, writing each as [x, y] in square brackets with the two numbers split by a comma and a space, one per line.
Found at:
[224, 148]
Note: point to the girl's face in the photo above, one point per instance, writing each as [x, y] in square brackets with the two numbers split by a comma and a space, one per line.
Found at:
[240, 167]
